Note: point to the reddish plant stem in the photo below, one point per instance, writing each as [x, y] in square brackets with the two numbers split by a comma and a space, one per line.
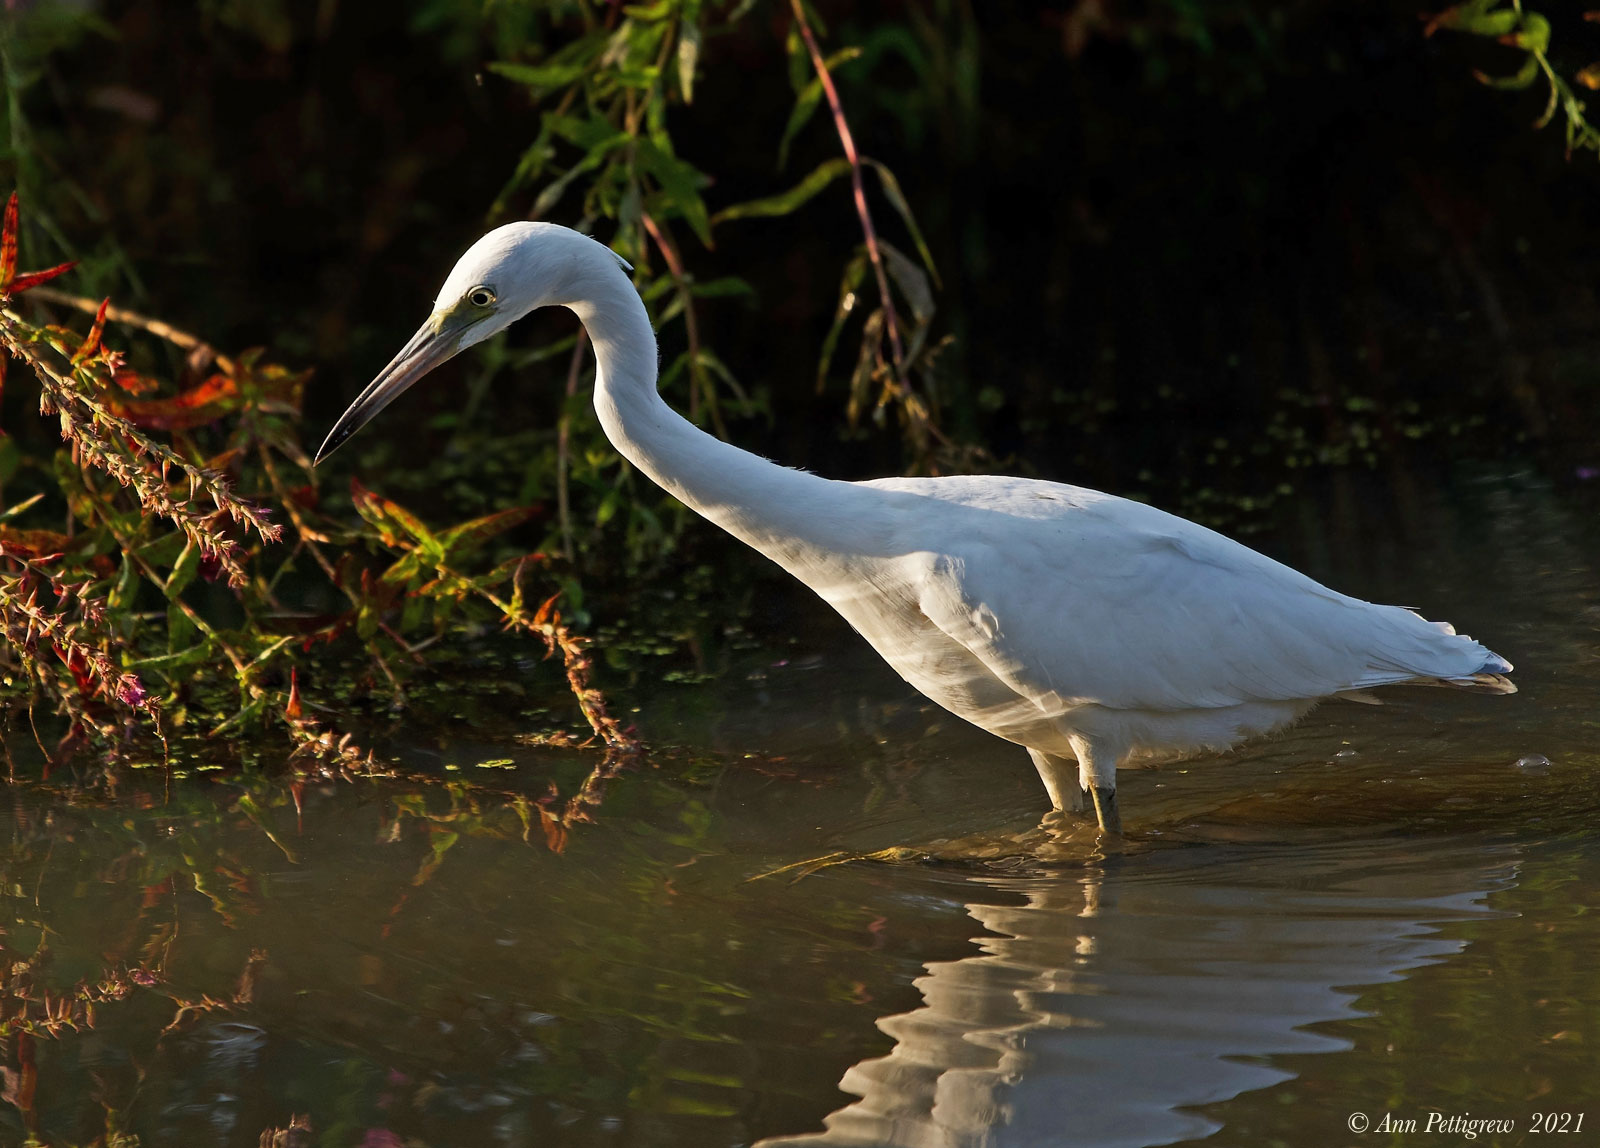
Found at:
[564, 447]
[691, 324]
[858, 187]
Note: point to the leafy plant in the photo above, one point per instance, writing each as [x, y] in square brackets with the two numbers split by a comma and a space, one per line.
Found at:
[604, 134]
[166, 574]
[180, 528]
[1529, 33]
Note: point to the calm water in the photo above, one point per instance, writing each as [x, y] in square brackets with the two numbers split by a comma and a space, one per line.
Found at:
[1388, 911]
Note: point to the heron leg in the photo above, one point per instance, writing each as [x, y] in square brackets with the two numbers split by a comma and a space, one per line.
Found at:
[1060, 777]
[1097, 774]
[1105, 809]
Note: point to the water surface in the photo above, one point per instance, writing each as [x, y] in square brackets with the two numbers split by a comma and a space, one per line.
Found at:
[1387, 910]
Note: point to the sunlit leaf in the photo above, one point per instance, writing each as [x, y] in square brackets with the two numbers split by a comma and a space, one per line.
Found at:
[1532, 35]
[126, 591]
[688, 56]
[460, 540]
[183, 573]
[1479, 17]
[660, 10]
[33, 278]
[785, 202]
[33, 545]
[1524, 77]
[397, 525]
[91, 342]
[10, 459]
[133, 382]
[201, 404]
[292, 709]
[849, 297]
[539, 76]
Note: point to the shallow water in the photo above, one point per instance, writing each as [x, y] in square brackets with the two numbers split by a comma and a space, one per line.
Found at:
[1387, 911]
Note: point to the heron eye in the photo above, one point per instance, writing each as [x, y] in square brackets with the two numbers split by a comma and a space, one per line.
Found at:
[480, 296]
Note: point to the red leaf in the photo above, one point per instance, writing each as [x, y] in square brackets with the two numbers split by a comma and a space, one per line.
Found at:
[8, 245]
[197, 406]
[33, 544]
[395, 523]
[91, 342]
[33, 278]
[133, 382]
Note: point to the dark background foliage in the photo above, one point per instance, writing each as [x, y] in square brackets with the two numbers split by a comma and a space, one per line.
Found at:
[1160, 226]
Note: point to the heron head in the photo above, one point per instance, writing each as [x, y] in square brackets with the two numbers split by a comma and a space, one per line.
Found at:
[509, 272]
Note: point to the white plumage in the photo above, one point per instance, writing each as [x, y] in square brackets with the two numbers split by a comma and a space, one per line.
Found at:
[1090, 629]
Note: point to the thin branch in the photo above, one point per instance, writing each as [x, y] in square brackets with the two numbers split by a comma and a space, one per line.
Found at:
[858, 187]
[697, 375]
[564, 446]
[156, 327]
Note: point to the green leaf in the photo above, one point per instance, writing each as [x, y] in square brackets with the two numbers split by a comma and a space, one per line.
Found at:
[708, 359]
[897, 199]
[183, 572]
[27, 504]
[124, 593]
[1534, 34]
[1480, 17]
[912, 282]
[806, 103]
[594, 134]
[179, 628]
[10, 458]
[1524, 77]
[460, 540]
[542, 76]
[688, 56]
[721, 288]
[552, 192]
[786, 202]
[394, 522]
[799, 59]
[680, 182]
[849, 297]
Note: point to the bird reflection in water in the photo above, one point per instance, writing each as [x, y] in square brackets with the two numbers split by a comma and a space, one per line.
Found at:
[1105, 1002]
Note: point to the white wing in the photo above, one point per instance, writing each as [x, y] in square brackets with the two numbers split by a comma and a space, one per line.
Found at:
[1067, 592]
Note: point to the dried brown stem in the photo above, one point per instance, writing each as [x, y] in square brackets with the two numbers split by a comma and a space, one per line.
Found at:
[564, 447]
[156, 327]
[85, 422]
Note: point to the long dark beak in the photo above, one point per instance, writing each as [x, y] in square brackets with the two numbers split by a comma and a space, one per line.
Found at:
[427, 349]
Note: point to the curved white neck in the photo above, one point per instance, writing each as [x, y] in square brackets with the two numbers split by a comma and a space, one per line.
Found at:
[799, 520]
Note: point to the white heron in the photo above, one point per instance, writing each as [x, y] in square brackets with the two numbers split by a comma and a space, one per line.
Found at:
[1087, 628]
